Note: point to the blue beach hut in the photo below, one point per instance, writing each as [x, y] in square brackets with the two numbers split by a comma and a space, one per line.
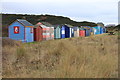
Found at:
[21, 30]
[65, 31]
[96, 30]
[71, 30]
[87, 29]
[87, 32]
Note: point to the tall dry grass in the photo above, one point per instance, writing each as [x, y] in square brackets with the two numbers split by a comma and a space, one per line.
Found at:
[83, 57]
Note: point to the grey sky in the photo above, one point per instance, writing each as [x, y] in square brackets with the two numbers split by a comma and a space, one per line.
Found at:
[105, 11]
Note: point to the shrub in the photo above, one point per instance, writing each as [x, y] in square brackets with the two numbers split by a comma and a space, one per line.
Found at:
[10, 42]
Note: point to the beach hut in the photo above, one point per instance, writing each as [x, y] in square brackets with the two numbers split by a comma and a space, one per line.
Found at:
[104, 30]
[51, 31]
[46, 34]
[48, 31]
[91, 30]
[87, 32]
[65, 31]
[57, 31]
[81, 32]
[96, 30]
[71, 30]
[21, 30]
[87, 29]
[76, 31]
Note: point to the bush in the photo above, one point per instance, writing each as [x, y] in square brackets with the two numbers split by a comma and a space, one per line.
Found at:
[10, 42]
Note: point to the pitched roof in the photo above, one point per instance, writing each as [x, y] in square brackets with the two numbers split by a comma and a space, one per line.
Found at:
[35, 26]
[24, 22]
[43, 26]
[47, 24]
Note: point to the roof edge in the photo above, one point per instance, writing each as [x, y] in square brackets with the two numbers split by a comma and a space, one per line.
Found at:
[16, 21]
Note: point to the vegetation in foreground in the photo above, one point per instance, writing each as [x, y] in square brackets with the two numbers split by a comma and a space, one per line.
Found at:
[83, 57]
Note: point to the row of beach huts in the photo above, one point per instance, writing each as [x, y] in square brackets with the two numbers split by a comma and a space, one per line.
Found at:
[24, 31]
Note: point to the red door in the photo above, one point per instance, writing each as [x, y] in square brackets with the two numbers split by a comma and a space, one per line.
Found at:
[82, 33]
[39, 34]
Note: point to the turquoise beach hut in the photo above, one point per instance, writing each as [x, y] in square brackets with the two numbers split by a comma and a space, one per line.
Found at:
[57, 31]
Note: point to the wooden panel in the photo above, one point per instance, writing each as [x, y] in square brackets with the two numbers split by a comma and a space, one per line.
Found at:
[38, 34]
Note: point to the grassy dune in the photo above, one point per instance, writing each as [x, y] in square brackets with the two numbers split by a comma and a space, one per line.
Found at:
[83, 57]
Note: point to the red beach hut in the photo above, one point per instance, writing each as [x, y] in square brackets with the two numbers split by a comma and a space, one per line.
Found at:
[38, 32]
[82, 32]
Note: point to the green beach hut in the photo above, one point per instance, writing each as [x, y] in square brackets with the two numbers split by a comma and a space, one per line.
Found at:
[57, 31]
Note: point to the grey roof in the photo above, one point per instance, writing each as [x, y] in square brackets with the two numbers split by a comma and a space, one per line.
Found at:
[55, 26]
[69, 25]
[24, 22]
[43, 26]
[35, 26]
[75, 28]
[100, 24]
[81, 28]
[47, 24]
[86, 27]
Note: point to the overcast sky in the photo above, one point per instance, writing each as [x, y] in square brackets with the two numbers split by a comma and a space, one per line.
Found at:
[105, 11]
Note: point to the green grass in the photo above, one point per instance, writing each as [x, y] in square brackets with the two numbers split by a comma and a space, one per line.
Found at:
[118, 33]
